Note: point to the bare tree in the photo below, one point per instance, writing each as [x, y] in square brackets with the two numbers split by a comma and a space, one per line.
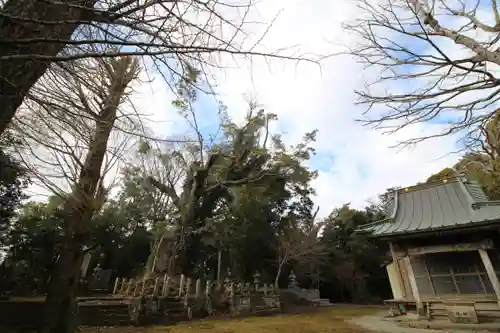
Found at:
[295, 244]
[437, 61]
[67, 128]
[179, 36]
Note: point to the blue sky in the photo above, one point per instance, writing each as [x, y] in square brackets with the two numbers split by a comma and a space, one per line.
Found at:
[355, 163]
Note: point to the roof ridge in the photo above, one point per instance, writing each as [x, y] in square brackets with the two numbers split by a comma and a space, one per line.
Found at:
[423, 186]
[466, 190]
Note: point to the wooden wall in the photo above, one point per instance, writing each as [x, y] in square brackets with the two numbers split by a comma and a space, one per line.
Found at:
[396, 287]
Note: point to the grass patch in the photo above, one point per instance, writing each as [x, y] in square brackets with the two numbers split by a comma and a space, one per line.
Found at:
[38, 299]
[321, 321]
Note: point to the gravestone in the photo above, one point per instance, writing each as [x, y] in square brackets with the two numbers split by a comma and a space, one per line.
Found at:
[85, 264]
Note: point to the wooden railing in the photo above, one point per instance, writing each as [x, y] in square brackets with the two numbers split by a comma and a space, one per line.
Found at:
[242, 298]
[181, 286]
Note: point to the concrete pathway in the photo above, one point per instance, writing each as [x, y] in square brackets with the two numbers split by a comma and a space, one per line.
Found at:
[376, 323]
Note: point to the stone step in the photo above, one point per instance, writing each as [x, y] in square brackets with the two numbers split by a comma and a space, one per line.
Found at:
[114, 309]
[176, 312]
[322, 302]
[172, 301]
[267, 311]
[101, 320]
[115, 313]
[105, 323]
[103, 306]
[117, 310]
[174, 305]
[325, 304]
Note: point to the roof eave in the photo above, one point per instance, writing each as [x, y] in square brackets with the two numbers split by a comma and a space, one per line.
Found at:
[487, 224]
[362, 229]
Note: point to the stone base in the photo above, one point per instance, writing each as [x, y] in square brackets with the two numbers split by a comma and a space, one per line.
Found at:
[462, 314]
[322, 302]
[452, 327]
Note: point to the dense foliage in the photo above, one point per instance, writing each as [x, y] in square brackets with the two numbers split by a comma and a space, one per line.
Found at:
[13, 180]
[481, 165]
[264, 196]
[353, 270]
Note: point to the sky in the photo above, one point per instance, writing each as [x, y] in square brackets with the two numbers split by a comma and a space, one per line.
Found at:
[355, 162]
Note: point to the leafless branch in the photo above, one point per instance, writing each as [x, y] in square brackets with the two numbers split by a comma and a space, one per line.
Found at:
[431, 70]
[68, 120]
[169, 33]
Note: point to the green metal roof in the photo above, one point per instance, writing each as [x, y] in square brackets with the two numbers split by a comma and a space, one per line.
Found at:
[448, 204]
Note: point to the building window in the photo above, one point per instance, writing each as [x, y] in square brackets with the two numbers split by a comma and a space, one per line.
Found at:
[451, 273]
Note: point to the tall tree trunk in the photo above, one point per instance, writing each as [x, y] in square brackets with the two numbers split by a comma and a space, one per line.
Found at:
[190, 257]
[83, 202]
[219, 267]
[60, 305]
[278, 273]
[22, 20]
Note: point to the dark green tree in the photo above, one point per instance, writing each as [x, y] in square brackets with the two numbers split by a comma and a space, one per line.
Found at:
[354, 261]
[34, 244]
[13, 181]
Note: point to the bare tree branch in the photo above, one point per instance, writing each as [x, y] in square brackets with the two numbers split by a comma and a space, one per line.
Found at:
[422, 78]
[170, 33]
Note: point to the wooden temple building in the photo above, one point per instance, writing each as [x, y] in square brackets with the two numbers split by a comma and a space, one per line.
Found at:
[443, 240]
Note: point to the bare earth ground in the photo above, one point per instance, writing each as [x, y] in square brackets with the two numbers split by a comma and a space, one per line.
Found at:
[338, 319]
[328, 320]
[374, 323]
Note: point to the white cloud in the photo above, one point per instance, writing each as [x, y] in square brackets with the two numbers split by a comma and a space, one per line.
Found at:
[305, 98]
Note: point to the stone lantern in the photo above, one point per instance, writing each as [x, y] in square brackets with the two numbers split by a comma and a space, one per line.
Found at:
[227, 280]
[292, 280]
[256, 278]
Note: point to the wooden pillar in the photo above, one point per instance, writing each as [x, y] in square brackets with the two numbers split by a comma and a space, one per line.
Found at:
[491, 272]
[413, 284]
[398, 270]
[414, 287]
